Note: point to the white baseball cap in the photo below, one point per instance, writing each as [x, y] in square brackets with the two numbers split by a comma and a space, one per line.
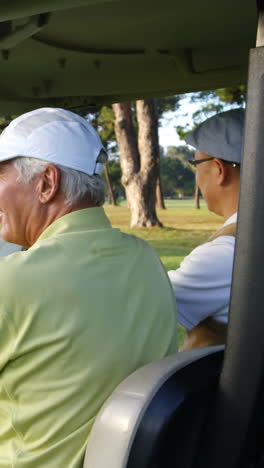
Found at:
[55, 135]
[220, 136]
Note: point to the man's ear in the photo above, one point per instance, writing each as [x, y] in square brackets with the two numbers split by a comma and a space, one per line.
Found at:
[48, 184]
[222, 171]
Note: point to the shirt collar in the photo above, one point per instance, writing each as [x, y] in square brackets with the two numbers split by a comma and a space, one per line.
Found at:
[232, 219]
[88, 219]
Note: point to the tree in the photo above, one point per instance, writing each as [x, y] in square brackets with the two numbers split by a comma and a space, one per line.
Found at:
[212, 102]
[159, 193]
[177, 177]
[184, 153]
[111, 193]
[103, 122]
[197, 196]
[115, 174]
[138, 160]
[163, 105]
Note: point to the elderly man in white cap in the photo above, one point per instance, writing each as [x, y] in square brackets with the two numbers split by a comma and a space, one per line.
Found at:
[202, 283]
[84, 306]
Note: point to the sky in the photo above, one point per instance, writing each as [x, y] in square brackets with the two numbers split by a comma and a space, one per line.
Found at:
[167, 132]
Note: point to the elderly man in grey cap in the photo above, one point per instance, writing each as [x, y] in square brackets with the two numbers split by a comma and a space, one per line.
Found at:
[84, 306]
[202, 283]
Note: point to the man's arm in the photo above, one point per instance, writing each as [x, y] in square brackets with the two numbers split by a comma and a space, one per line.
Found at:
[202, 289]
[209, 332]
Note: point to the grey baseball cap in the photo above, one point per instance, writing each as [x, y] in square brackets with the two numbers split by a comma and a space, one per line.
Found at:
[220, 136]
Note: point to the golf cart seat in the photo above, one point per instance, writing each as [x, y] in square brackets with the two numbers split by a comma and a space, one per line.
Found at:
[153, 418]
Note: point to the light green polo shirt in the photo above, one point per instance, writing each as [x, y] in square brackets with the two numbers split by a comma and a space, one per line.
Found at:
[80, 310]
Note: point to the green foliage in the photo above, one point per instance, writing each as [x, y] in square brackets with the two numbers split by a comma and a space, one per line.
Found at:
[233, 95]
[206, 111]
[103, 122]
[5, 121]
[161, 151]
[177, 178]
[170, 103]
[103, 119]
[114, 171]
[181, 152]
[183, 131]
[212, 102]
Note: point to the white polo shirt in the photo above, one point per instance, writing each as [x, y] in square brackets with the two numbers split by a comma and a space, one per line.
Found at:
[202, 282]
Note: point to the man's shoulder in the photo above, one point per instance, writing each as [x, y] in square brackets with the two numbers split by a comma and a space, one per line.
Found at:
[139, 245]
[214, 247]
[211, 257]
[9, 260]
[21, 265]
[129, 238]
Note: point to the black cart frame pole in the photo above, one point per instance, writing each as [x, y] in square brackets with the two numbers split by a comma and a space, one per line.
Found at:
[233, 425]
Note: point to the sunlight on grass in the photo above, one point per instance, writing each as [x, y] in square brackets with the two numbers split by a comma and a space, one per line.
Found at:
[184, 228]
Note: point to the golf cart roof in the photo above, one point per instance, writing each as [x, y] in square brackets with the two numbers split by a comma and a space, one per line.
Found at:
[81, 53]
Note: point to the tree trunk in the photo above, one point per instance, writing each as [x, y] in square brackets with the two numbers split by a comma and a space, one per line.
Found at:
[159, 196]
[197, 197]
[138, 163]
[109, 186]
[148, 145]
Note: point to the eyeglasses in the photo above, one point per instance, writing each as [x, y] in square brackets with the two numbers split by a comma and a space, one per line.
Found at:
[195, 162]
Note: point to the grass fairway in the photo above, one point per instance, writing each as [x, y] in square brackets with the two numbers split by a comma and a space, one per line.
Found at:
[184, 228]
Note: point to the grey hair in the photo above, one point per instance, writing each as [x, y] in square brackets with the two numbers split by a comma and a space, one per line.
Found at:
[75, 185]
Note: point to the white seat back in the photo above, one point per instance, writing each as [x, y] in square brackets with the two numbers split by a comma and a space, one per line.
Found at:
[116, 424]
